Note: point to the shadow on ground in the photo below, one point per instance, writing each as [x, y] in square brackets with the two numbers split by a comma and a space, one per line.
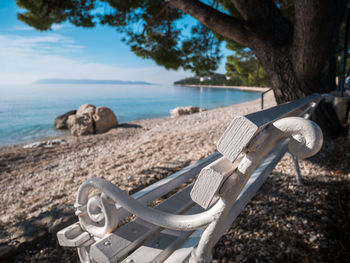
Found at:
[129, 125]
[34, 240]
[290, 223]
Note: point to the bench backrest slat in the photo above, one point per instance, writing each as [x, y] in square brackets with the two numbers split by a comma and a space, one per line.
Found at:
[210, 180]
[166, 185]
[243, 128]
[235, 141]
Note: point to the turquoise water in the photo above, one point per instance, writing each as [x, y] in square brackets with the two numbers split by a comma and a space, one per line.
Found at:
[27, 112]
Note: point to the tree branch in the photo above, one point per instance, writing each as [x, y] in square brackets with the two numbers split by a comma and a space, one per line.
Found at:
[256, 9]
[221, 23]
[266, 21]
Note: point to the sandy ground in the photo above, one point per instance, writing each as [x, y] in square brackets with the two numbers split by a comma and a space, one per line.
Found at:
[38, 188]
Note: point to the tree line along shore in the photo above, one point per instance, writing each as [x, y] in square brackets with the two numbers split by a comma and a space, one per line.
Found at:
[242, 88]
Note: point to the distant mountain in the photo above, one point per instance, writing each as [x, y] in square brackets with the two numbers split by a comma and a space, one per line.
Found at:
[89, 81]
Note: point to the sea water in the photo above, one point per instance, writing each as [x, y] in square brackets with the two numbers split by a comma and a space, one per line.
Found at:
[27, 112]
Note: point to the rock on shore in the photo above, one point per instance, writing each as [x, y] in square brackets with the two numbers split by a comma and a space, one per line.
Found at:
[104, 119]
[180, 111]
[90, 119]
[61, 121]
[82, 122]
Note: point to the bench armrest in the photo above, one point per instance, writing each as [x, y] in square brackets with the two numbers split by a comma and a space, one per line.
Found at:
[100, 209]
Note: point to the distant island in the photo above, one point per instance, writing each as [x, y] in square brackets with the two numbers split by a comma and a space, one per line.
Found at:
[89, 81]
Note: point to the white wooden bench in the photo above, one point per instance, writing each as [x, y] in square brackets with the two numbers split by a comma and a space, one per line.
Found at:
[186, 226]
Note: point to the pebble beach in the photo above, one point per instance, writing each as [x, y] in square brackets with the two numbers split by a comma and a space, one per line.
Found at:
[284, 221]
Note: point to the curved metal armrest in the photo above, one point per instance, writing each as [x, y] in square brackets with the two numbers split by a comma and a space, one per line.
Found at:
[98, 214]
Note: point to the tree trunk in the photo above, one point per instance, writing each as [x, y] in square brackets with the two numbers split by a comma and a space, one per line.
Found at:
[326, 117]
[288, 85]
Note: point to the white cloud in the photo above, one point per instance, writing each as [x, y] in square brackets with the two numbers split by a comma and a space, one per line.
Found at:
[27, 59]
[56, 27]
[54, 43]
[23, 28]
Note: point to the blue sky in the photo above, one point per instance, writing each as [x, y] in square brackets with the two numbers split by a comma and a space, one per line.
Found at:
[27, 55]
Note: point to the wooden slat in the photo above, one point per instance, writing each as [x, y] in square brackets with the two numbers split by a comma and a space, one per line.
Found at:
[125, 239]
[154, 249]
[210, 179]
[184, 252]
[273, 114]
[236, 137]
[254, 183]
[170, 249]
[243, 129]
[166, 185]
[72, 236]
[158, 248]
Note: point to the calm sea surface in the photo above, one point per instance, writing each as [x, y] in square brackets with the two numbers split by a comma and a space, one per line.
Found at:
[27, 112]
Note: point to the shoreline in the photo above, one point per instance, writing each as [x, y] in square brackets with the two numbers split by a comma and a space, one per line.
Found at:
[242, 88]
[68, 135]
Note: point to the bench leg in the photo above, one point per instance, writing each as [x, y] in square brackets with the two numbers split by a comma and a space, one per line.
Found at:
[296, 169]
[83, 253]
[203, 252]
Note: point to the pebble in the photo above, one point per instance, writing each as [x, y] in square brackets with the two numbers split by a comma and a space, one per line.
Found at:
[239, 257]
[324, 218]
[313, 239]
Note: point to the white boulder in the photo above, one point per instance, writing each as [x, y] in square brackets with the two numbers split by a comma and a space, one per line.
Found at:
[86, 109]
[91, 120]
[80, 125]
[61, 121]
[104, 119]
[179, 111]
